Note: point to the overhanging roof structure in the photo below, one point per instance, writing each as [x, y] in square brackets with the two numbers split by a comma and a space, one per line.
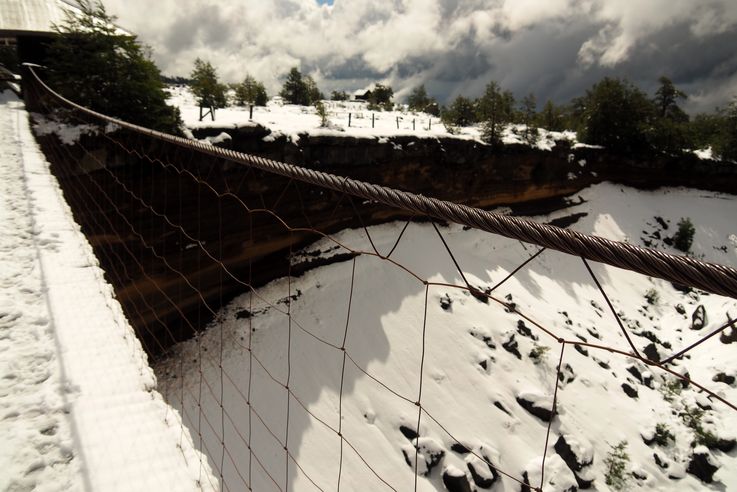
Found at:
[31, 17]
[35, 17]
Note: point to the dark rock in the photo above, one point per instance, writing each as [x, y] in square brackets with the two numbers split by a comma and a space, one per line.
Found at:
[566, 374]
[651, 352]
[484, 364]
[698, 318]
[433, 459]
[455, 483]
[459, 448]
[407, 458]
[512, 347]
[511, 307]
[543, 414]
[446, 302]
[602, 364]
[662, 222]
[725, 445]
[243, 314]
[660, 462]
[478, 468]
[635, 372]
[653, 338]
[425, 449]
[523, 330]
[575, 463]
[729, 335]
[481, 295]
[581, 350]
[484, 338]
[480, 481]
[593, 333]
[639, 475]
[499, 405]
[648, 381]
[700, 467]
[525, 487]
[629, 390]
[723, 378]
[407, 432]
[680, 309]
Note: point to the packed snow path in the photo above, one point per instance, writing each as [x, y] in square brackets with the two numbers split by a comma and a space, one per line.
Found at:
[78, 405]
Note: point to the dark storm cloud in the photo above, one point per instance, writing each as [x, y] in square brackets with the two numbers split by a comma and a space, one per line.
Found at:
[553, 48]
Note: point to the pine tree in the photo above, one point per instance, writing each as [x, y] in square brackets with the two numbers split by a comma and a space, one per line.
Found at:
[322, 112]
[666, 99]
[528, 112]
[418, 100]
[381, 97]
[313, 92]
[339, 96]
[93, 64]
[495, 110]
[250, 91]
[295, 90]
[727, 146]
[551, 117]
[210, 93]
[617, 115]
[461, 112]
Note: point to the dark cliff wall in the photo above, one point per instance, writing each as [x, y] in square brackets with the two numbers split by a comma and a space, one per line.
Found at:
[169, 286]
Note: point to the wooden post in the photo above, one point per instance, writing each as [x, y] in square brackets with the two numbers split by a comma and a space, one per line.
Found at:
[349, 120]
[397, 122]
[429, 124]
[210, 111]
[250, 113]
[372, 119]
[413, 124]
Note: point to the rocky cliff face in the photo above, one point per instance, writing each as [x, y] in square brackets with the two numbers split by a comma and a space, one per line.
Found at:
[170, 284]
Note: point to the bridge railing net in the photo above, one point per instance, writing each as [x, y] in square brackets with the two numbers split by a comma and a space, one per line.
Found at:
[182, 227]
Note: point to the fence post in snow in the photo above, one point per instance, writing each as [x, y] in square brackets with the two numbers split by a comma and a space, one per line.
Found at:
[413, 123]
[429, 124]
[250, 113]
[349, 120]
[397, 122]
[373, 116]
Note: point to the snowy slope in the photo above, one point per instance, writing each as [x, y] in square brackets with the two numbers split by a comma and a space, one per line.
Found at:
[78, 404]
[488, 375]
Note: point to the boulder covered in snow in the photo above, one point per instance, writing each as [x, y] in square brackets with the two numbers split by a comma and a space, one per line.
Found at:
[578, 455]
[537, 404]
[455, 480]
[698, 318]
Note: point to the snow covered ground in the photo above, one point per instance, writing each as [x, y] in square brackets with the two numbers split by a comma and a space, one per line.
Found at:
[292, 120]
[79, 408]
[488, 375]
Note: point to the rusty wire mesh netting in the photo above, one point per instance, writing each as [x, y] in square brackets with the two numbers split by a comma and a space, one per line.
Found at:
[174, 220]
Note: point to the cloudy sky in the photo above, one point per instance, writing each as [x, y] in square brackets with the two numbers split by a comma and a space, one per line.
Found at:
[552, 48]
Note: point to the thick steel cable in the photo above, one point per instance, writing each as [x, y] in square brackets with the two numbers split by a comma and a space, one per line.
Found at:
[682, 270]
